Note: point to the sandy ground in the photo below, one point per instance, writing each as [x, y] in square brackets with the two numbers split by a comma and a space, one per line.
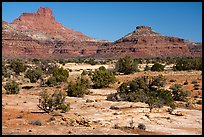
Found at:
[102, 118]
[18, 111]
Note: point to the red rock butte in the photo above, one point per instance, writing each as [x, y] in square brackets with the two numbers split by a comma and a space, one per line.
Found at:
[143, 27]
[39, 35]
[45, 12]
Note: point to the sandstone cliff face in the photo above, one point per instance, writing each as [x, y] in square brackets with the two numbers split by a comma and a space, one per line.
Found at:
[39, 35]
[44, 22]
[16, 44]
[146, 43]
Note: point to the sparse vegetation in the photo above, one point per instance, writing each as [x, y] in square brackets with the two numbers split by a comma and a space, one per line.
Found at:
[185, 83]
[178, 93]
[196, 86]
[145, 89]
[141, 126]
[60, 74]
[147, 68]
[188, 63]
[102, 78]
[33, 74]
[126, 65]
[79, 88]
[51, 81]
[172, 80]
[157, 67]
[18, 66]
[12, 87]
[48, 103]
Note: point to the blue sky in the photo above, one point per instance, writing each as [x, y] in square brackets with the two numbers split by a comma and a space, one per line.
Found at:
[113, 20]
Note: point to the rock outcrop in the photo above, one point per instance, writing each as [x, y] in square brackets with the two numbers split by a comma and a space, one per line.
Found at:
[39, 35]
[146, 43]
[44, 22]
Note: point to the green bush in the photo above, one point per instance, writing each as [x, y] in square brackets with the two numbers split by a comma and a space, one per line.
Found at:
[79, 88]
[147, 68]
[126, 65]
[185, 83]
[61, 61]
[6, 72]
[34, 74]
[18, 66]
[188, 63]
[157, 67]
[91, 61]
[63, 107]
[172, 80]
[178, 93]
[12, 87]
[102, 78]
[84, 72]
[44, 65]
[35, 61]
[145, 89]
[48, 103]
[60, 74]
[51, 81]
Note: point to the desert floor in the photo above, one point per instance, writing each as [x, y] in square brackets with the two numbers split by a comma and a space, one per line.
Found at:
[91, 115]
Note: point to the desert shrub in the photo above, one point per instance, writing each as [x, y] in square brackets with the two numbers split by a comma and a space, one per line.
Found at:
[35, 61]
[172, 80]
[157, 67]
[48, 103]
[84, 72]
[51, 81]
[50, 69]
[199, 102]
[170, 60]
[6, 72]
[102, 78]
[185, 83]
[84, 81]
[36, 122]
[18, 66]
[139, 60]
[141, 126]
[91, 61]
[61, 61]
[147, 68]
[60, 74]
[188, 63]
[63, 107]
[194, 82]
[145, 89]
[111, 97]
[126, 65]
[12, 87]
[178, 93]
[44, 64]
[196, 86]
[33, 74]
[78, 89]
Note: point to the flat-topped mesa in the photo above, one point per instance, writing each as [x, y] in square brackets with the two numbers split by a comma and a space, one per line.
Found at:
[47, 12]
[144, 27]
[145, 31]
